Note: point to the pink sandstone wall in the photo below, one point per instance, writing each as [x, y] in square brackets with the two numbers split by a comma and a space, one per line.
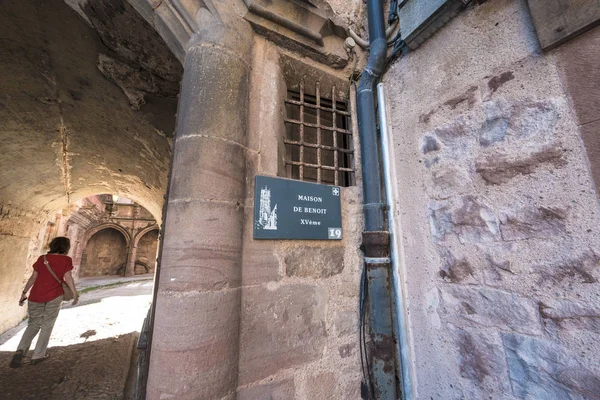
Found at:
[299, 323]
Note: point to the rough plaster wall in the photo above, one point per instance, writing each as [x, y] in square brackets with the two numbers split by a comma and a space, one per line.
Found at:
[146, 251]
[104, 253]
[67, 132]
[499, 215]
[299, 324]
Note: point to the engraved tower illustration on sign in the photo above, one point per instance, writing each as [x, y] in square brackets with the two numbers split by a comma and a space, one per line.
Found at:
[268, 217]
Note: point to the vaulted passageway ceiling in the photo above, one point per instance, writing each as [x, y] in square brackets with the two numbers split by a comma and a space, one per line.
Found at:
[87, 105]
[88, 96]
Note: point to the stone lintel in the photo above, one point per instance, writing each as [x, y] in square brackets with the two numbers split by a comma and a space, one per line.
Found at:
[311, 31]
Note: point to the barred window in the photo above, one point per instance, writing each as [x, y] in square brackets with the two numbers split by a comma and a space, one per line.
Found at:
[318, 142]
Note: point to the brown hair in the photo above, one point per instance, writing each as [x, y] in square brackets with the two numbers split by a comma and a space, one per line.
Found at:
[60, 245]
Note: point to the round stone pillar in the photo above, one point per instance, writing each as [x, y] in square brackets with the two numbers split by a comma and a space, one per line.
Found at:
[131, 256]
[194, 353]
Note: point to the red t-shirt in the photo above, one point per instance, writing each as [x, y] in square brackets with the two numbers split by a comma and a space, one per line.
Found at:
[46, 288]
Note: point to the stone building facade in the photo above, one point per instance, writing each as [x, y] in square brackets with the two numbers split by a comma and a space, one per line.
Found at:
[495, 149]
[493, 120]
[112, 237]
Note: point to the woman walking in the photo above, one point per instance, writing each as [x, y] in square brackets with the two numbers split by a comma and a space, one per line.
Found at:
[45, 299]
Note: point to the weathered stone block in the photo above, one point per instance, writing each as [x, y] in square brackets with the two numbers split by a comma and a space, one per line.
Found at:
[474, 221]
[440, 219]
[499, 169]
[495, 125]
[541, 222]
[497, 81]
[201, 223]
[531, 119]
[207, 247]
[450, 179]
[280, 328]
[450, 132]
[281, 390]
[314, 262]
[201, 81]
[214, 170]
[545, 370]
[429, 144]
[479, 357]
[491, 308]
[346, 323]
[260, 263]
[200, 268]
[458, 271]
[322, 386]
[498, 265]
[578, 270]
[570, 316]
[201, 346]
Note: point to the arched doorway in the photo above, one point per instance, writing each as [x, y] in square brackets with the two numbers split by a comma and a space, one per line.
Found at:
[88, 101]
[104, 254]
[147, 247]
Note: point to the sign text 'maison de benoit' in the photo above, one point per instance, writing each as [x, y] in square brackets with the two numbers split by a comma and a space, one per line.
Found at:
[290, 209]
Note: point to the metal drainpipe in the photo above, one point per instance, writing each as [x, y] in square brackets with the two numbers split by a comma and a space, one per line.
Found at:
[403, 348]
[375, 238]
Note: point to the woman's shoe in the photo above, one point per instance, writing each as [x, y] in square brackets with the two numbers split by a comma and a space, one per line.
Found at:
[17, 359]
[39, 360]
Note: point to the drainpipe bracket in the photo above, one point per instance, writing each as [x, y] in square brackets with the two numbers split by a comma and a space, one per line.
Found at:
[376, 244]
[378, 260]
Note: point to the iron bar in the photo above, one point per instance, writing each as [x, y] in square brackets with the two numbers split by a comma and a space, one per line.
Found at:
[328, 128]
[327, 167]
[301, 172]
[317, 146]
[313, 106]
[335, 144]
[318, 91]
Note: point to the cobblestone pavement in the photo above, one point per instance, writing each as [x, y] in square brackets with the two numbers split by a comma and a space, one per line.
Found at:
[93, 370]
[90, 348]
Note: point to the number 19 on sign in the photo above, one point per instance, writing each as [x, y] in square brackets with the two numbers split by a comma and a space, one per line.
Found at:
[334, 233]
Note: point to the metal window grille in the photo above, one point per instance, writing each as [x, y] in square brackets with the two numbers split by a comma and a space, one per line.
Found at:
[319, 146]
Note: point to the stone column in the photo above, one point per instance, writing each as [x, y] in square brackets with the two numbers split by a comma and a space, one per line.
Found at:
[131, 256]
[194, 351]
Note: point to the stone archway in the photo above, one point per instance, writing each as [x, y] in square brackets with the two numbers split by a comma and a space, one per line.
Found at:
[104, 253]
[143, 252]
[106, 225]
[142, 232]
[118, 258]
[88, 106]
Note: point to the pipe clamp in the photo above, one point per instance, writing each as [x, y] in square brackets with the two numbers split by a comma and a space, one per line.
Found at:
[378, 260]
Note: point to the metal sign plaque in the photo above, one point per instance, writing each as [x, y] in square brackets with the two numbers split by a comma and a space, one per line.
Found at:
[290, 209]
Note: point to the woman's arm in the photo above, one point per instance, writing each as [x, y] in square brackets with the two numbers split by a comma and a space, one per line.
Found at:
[71, 284]
[28, 286]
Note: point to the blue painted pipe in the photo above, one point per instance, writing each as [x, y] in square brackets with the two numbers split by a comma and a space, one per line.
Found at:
[382, 369]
